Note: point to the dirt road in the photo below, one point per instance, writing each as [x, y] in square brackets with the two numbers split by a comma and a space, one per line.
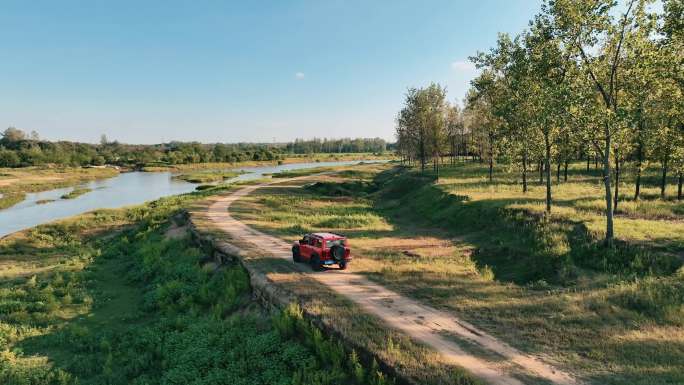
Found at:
[424, 324]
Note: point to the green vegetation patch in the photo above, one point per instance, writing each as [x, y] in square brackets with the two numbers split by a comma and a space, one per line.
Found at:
[9, 199]
[207, 176]
[77, 192]
[107, 298]
[302, 172]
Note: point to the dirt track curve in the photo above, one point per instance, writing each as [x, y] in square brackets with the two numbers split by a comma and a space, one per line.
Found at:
[423, 323]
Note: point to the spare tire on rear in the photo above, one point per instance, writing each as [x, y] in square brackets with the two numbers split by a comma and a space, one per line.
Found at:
[337, 252]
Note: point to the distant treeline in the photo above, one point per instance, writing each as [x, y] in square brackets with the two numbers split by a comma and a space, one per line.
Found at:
[17, 149]
[346, 145]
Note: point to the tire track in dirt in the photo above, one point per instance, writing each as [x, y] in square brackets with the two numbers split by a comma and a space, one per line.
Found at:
[423, 323]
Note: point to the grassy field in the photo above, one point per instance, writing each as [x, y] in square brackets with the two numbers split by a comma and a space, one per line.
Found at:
[16, 182]
[289, 159]
[484, 251]
[124, 297]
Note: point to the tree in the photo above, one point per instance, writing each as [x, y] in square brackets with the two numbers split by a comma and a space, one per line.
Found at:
[12, 134]
[435, 119]
[421, 124]
[454, 131]
[9, 158]
[591, 35]
[643, 60]
[411, 135]
[673, 46]
[482, 123]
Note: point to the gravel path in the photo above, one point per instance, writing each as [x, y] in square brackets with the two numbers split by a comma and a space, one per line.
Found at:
[424, 324]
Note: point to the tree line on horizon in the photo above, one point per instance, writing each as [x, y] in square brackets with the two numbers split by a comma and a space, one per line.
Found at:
[587, 80]
[18, 149]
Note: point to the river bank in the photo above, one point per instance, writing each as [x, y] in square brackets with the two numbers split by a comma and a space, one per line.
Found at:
[291, 159]
[15, 183]
[123, 189]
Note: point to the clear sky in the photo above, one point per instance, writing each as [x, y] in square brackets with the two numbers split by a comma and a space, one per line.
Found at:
[227, 71]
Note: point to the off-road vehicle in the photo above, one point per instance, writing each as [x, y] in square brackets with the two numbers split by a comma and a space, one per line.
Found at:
[322, 249]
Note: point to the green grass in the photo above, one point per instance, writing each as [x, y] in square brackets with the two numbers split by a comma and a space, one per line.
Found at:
[485, 251]
[77, 192]
[107, 298]
[207, 176]
[10, 199]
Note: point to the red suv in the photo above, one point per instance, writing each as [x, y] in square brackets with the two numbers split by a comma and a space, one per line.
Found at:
[320, 249]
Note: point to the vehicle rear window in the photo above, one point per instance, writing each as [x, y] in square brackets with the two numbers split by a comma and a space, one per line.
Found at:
[336, 242]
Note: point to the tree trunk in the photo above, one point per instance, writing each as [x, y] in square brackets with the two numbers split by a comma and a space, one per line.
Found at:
[679, 186]
[491, 168]
[491, 157]
[606, 183]
[617, 180]
[422, 155]
[640, 161]
[558, 167]
[524, 172]
[547, 166]
[437, 160]
[663, 181]
[565, 171]
[588, 162]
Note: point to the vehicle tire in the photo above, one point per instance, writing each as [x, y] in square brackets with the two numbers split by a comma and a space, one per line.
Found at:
[315, 263]
[296, 256]
[342, 264]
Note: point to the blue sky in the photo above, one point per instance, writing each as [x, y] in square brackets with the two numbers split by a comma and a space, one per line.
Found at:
[222, 71]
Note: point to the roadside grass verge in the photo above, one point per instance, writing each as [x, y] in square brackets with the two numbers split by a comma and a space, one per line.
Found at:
[108, 298]
[484, 251]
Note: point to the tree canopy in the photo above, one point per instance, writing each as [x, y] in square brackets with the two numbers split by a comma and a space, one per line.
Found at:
[589, 79]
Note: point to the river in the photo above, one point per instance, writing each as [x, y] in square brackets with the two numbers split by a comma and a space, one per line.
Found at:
[126, 189]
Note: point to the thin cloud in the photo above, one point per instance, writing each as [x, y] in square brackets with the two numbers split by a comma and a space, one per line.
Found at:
[299, 75]
[463, 66]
